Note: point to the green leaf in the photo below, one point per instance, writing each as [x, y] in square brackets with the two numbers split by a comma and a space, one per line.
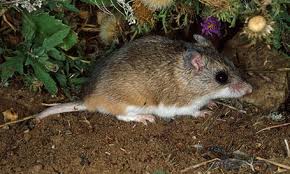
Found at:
[196, 7]
[52, 32]
[28, 61]
[54, 53]
[55, 39]
[61, 78]
[69, 6]
[52, 5]
[46, 25]
[43, 58]
[69, 41]
[46, 31]
[10, 66]
[28, 27]
[100, 2]
[51, 66]
[39, 51]
[78, 80]
[1, 50]
[44, 76]
[233, 22]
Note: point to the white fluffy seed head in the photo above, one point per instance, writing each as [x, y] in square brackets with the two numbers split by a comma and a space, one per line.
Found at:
[257, 23]
[109, 29]
[157, 4]
[258, 27]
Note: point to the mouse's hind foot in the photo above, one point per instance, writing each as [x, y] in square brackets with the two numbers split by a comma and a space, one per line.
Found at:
[142, 118]
[202, 113]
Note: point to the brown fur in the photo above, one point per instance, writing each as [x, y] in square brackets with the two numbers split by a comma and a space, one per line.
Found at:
[155, 70]
[101, 102]
[150, 71]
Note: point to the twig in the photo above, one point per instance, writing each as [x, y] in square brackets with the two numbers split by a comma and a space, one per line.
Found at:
[82, 169]
[117, 8]
[104, 10]
[18, 121]
[275, 126]
[250, 164]
[49, 104]
[6, 20]
[199, 164]
[231, 107]
[274, 163]
[88, 29]
[76, 58]
[104, 7]
[268, 70]
[287, 148]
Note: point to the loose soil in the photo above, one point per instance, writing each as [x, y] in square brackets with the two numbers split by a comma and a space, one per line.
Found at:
[94, 143]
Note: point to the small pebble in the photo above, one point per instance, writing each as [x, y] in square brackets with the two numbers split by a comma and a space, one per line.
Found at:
[27, 137]
[36, 169]
[276, 116]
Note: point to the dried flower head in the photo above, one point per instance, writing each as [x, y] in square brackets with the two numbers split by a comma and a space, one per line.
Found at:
[110, 29]
[210, 26]
[157, 4]
[258, 27]
[217, 4]
[142, 13]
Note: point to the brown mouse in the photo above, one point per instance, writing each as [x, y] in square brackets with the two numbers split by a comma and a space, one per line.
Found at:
[156, 76]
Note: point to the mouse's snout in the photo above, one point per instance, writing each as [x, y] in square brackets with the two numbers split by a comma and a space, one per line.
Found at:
[241, 88]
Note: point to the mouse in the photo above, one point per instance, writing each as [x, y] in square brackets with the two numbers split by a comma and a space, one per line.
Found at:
[155, 76]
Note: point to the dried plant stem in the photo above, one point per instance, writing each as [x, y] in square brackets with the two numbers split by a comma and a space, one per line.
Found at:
[199, 164]
[50, 104]
[274, 163]
[17, 121]
[231, 107]
[6, 20]
[272, 127]
[269, 70]
[221, 4]
[287, 148]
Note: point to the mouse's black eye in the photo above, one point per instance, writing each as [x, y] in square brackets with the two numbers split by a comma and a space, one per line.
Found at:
[221, 77]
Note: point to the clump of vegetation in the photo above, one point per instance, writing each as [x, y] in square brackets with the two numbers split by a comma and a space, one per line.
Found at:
[45, 40]
[51, 44]
[41, 56]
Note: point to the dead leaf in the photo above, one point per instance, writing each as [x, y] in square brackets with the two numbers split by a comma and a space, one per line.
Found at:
[84, 14]
[10, 115]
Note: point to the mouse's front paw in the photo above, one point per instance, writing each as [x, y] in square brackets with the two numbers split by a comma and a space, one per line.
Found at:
[202, 113]
[212, 105]
[144, 118]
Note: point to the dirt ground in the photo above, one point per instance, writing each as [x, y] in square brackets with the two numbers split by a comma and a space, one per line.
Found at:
[94, 143]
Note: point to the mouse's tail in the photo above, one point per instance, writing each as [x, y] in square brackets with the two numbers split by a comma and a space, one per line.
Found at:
[62, 108]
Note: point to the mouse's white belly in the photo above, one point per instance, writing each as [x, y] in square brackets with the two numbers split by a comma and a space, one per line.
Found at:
[168, 111]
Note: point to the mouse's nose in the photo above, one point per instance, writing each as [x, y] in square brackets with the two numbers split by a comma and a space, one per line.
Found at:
[249, 88]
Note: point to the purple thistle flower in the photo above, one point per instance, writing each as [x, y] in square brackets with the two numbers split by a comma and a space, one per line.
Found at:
[210, 26]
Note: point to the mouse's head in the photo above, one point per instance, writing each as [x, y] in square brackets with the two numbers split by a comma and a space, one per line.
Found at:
[212, 73]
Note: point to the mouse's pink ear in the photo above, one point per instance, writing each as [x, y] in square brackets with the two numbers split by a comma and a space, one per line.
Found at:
[197, 61]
